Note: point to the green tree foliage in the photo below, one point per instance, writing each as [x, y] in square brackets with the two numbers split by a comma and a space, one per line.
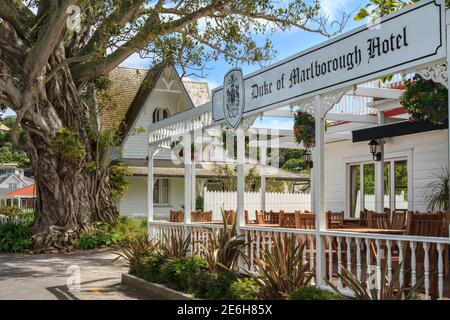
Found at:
[9, 153]
[118, 176]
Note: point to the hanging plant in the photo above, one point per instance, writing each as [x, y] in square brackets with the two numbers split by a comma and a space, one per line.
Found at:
[174, 145]
[426, 100]
[305, 129]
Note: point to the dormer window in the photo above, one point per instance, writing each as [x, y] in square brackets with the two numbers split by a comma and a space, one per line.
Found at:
[160, 113]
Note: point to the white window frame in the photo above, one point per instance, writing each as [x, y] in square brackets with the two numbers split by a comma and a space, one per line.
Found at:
[160, 115]
[158, 202]
[13, 185]
[390, 157]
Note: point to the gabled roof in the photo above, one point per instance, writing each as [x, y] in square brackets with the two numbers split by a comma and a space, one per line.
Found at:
[129, 90]
[29, 191]
[25, 180]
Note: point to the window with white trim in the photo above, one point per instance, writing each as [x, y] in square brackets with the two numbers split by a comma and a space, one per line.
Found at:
[12, 186]
[159, 114]
[161, 192]
[361, 178]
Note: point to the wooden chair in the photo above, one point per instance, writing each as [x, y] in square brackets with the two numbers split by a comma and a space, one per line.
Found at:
[335, 219]
[424, 225]
[230, 216]
[176, 216]
[378, 220]
[247, 219]
[271, 217]
[305, 220]
[201, 216]
[259, 217]
[398, 220]
[287, 219]
[363, 222]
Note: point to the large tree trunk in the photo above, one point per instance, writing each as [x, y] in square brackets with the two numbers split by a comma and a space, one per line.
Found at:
[69, 197]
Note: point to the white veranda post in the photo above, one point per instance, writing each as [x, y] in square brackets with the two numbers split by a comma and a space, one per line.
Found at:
[187, 177]
[152, 150]
[319, 106]
[240, 172]
[379, 171]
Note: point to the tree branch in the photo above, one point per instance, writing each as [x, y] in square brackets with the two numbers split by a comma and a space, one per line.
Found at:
[119, 17]
[48, 38]
[19, 16]
[152, 28]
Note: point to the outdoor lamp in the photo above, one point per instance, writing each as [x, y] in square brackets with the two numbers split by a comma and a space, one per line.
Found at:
[374, 148]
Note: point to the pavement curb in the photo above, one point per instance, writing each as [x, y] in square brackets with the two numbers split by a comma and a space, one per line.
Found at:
[154, 289]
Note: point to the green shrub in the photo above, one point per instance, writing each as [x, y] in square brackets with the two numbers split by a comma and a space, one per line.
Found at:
[199, 283]
[149, 268]
[126, 229]
[192, 271]
[219, 284]
[171, 272]
[312, 293]
[244, 289]
[11, 211]
[101, 234]
[14, 237]
[95, 237]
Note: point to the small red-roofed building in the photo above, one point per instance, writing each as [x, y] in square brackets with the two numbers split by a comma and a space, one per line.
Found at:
[23, 198]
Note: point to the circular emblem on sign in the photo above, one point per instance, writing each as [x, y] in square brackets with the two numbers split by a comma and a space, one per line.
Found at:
[233, 97]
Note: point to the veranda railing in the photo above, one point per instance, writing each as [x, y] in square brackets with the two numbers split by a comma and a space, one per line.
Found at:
[363, 254]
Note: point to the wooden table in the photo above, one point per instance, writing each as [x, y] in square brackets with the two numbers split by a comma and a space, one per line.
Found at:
[371, 230]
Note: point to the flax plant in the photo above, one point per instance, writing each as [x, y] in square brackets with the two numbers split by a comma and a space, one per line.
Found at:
[388, 290]
[282, 271]
[224, 249]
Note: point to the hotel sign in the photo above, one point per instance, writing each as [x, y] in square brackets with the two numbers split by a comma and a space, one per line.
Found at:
[410, 38]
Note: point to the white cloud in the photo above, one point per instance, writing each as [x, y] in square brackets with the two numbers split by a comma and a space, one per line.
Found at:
[334, 8]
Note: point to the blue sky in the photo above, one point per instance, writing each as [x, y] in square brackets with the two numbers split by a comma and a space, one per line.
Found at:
[285, 43]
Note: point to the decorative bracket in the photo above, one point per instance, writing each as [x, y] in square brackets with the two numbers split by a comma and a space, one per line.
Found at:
[247, 122]
[324, 102]
[437, 73]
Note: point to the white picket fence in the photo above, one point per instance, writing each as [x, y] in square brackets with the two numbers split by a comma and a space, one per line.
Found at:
[289, 202]
[14, 220]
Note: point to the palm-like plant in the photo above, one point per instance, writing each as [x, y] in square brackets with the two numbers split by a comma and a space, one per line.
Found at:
[174, 245]
[389, 290]
[223, 250]
[282, 270]
[437, 192]
[133, 251]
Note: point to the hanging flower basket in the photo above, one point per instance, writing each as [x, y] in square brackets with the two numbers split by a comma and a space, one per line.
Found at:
[175, 144]
[426, 100]
[305, 129]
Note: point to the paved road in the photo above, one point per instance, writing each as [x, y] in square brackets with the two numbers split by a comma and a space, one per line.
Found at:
[46, 277]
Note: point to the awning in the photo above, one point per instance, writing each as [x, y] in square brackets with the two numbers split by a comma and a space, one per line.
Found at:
[395, 130]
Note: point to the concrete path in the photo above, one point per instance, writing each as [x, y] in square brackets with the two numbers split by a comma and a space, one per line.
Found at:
[55, 277]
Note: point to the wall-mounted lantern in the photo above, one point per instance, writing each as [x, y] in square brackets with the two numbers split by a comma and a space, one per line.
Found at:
[374, 148]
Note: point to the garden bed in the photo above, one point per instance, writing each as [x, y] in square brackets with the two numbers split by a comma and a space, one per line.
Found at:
[154, 291]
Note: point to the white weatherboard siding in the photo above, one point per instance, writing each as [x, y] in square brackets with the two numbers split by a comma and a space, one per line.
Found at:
[134, 201]
[136, 144]
[428, 152]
